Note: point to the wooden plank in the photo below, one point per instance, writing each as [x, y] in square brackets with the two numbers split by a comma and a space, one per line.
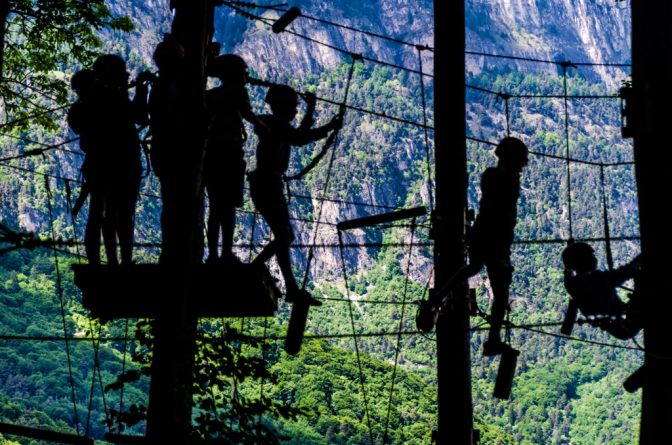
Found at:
[141, 290]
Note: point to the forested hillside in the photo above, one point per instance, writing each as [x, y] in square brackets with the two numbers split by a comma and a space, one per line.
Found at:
[565, 391]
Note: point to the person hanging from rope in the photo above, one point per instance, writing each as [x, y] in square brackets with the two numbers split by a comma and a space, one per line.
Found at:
[594, 291]
[266, 181]
[489, 242]
[114, 161]
[224, 171]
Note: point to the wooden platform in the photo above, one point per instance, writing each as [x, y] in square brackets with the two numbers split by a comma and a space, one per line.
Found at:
[143, 290]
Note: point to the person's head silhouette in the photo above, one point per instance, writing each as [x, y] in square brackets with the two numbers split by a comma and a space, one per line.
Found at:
[579, 257]
[168, 56]
[229, 68]
[111, 70]
[83, 82]
[283, 101]
[512, 152]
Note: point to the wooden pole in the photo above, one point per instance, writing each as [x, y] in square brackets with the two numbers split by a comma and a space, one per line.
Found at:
[651, 74]
[169, 414]
[455, 419]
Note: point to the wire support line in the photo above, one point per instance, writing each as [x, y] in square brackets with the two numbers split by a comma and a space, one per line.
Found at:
[364, 301]
[559, 157]
[504, 95]
[45, 144]
[577, 339]
[552, 62]
[351, 28]
[268, 22]
[61, 300]
[60, 338]
[564, 240]
[354, 335]
[33, 116]
[397, 350]
[380, 114]
[39, 151]
[347, 202]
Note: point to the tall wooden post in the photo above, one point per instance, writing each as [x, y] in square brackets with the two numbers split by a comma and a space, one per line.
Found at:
[169, 414]
[452, 330]
[651, 74]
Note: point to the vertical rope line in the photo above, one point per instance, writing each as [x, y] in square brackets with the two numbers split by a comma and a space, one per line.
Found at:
[426, 130]
[264, 344]
[95, 342]
[569, 174]
[59, 290]
[508, 115]
[605, 218]
[401, 326]
[123, 370]
[311, 250]
[354, 336]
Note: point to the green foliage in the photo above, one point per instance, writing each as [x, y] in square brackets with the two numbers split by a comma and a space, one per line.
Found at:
[44, 39]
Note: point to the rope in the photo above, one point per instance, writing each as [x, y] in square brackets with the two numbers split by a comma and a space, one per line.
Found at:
[401, 325]
[605, 217]
[354, 337]
[38, 151]
[59, 290]
[33, 116]
[425, 129]
[123, 371]
[554, 62]
[348, 81]
[569, 173]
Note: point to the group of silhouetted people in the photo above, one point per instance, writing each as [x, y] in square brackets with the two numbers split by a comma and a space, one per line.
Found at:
[489, 245]
[105, 119]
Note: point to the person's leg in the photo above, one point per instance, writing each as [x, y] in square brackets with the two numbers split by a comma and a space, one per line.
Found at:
[214, 219]
[500, 274]
[125, 207]
[93, 228]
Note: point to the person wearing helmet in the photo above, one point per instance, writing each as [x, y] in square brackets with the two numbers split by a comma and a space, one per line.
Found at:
[224, 169]
[266, 181]
[594, 291]
[489, 241]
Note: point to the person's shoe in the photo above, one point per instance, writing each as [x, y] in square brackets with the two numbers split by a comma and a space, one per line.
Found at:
[302, 296]
[494, 347]
[425, 320]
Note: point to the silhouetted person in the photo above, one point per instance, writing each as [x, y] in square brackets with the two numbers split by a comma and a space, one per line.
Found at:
[594, 291]
[266, 182]
[224, 170]
[114, 161]
[83, 84]
[167, 108]
[490, 241]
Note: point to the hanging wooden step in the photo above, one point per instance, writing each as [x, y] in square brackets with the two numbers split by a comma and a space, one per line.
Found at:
[144, 290]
